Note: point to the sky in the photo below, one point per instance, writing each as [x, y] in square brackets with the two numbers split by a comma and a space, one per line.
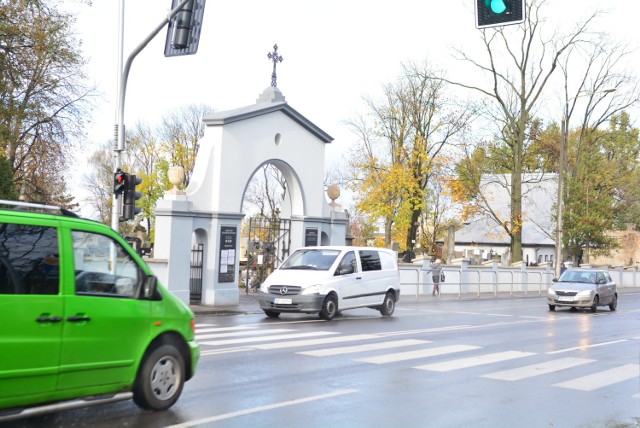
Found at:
[334, 53]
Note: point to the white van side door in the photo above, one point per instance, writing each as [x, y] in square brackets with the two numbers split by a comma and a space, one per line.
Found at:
[347, 280]
[373, 277]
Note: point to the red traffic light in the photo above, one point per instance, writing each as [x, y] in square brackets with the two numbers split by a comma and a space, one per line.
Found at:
[120, 180]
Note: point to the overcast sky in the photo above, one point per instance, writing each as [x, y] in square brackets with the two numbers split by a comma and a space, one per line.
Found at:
[335, 51]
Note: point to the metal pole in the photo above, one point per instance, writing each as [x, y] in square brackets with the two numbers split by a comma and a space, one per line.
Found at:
[117, 157]
[559, 205]
[123, 74]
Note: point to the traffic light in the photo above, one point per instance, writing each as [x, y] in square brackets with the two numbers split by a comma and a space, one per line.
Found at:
[119, 182]
[129, 209]
[493, 13]
[183, 34]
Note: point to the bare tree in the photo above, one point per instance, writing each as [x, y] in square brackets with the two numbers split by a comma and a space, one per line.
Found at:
[266, 191]
[180, 132]
[98, 182]
[520, 61]
[604, 90]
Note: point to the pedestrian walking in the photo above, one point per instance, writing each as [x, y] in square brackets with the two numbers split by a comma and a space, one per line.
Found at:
[436, 276]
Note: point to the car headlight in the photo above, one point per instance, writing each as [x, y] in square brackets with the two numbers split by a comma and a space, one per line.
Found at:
[314, 289]
[585, 294]
[551, 293]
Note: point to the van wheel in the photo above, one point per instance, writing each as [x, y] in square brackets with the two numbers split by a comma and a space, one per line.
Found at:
[596, 302]
[329, 307]
[160, 379]
[271, 314]
[388, 305]
[614, 303]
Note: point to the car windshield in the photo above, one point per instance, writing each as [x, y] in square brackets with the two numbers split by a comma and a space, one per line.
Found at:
[316, 259]
[578, 276]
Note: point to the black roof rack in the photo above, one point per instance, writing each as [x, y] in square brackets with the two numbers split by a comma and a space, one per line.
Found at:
[19, 205]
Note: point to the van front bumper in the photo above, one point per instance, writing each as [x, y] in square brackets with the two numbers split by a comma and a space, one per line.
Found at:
[291, 303]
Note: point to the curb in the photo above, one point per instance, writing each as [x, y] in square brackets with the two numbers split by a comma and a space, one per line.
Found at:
[249, 302]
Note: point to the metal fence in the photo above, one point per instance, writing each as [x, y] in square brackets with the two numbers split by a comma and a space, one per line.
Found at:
[415, 280]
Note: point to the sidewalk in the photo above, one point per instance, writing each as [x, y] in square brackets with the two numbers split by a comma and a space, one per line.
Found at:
[248, 303]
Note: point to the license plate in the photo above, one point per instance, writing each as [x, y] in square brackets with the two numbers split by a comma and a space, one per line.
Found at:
[281, 301]
[565, 299]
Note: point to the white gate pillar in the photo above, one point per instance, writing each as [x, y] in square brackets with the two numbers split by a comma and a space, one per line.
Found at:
[173, 243]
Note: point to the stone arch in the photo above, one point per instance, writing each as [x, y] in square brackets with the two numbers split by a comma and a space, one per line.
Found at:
[295, 204]
[235, 145]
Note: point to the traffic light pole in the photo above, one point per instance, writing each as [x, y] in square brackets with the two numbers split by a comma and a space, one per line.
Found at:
[123, 74]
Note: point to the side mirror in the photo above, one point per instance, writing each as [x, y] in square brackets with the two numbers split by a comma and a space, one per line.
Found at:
[555, 279]
[149, 288]
[344, 270]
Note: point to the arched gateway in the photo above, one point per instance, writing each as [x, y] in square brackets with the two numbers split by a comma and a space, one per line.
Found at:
[235, 145]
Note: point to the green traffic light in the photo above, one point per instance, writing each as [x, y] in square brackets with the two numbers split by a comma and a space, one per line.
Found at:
[496, 6]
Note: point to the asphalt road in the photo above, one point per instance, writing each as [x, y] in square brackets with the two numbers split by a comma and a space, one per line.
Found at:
[447, 363]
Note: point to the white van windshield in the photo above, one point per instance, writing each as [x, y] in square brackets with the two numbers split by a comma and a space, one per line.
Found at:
[316, 259]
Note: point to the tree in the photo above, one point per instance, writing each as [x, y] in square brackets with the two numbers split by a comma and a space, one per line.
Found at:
[605, 194]
[7, 186]
[401, 143]
[98, 182]
[42, 96]
[266, 191]
[519, 64]
[144, 158]
[180, 132]
[592, 201]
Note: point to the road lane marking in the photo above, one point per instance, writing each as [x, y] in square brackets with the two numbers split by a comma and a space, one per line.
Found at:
[242, 333]
[262, 408]
[538, 369]
[577, 348]
[464, 363]
[209, 352]
[603, 378]
[266, 338]
[312, 342]
[412, 355]
[212, 329]
[362, 348]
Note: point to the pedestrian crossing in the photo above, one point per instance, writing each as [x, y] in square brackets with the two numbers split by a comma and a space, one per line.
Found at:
[388, 348]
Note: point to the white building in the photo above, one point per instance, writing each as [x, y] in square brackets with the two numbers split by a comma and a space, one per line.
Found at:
[483, 237]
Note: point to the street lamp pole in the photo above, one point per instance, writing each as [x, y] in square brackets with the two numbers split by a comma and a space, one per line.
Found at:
[559, 205]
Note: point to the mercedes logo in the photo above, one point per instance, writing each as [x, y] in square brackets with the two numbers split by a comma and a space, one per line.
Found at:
[284, 290]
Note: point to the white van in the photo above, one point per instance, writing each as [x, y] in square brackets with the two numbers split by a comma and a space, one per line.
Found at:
[326, 280]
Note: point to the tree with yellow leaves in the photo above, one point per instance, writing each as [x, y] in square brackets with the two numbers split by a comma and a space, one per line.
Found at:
[401, 141]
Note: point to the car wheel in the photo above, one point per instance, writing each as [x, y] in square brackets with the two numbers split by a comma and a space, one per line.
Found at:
[596, 302]
[388, 305]
[329, 307]
[552, 307]
[271, 314]
[160, 379]
[614, 303]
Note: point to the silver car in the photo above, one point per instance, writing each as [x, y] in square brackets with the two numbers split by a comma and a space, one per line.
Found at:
[583, 288]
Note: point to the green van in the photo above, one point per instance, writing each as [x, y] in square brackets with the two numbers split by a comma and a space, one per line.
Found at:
[83, 320]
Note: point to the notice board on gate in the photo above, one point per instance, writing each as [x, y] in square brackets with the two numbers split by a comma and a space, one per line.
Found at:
[310, 236]
[227, 259]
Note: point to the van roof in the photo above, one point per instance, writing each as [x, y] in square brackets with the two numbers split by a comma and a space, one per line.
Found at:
[19, 206]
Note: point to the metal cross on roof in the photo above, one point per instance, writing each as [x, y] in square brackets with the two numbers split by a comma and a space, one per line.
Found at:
[273, 56]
